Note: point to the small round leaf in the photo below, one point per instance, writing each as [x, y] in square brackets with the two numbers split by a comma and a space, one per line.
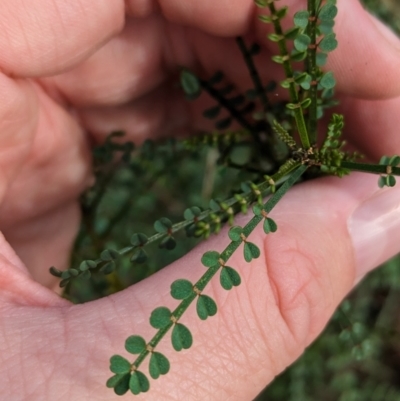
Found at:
[301, 19]
[140, 256]
[229, 278]
[168, 243]
[181, 289]
[328, 81]
[328, 43]
[163, 225]
[210, 258]
[250, 251]
[269, 226]
[160, 317]
[119, 365]
[302, 42]
[181, 337]
[205, 307]
[159, 365]
[139, 239]
[191, 213]
[235, 233]
[108, 267]
[122, 386]
[190, 84]
[328, 12]
[135, 344]
[138, 383]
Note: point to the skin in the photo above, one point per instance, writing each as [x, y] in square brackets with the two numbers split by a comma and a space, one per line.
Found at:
[70, 72]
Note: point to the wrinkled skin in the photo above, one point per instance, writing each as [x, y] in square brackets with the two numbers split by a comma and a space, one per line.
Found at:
[71, 72]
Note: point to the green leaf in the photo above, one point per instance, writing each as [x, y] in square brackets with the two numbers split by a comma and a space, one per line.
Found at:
[55, 272]
[140, 256]
[328, 81]
[390, 181]
[260, 3]
[114, 380]
[298, 56]
[135, 344]
[306, 103]
[278, 59]
[292, 33]
[109, 254]
[159, 365]
[181, 289]
[87, 264]
[267, 19]
[138, 383]
[160, 317]
[190, 84]
[73, 272]
[163, 225]
[168, 243]
[139, 239]
[224, 123]
[328, 12]
[328, 43]
[301, 19]
[235, 233]
[382, 182]
[302, 42]
[210, 259]
[181, 337]
[108, 267]
[384, 161]
[123, 385]
[119, 365]
[191, 213]
[250, 251]
[273, 37]
[214, 205]
[63, 283]
[394, 161]
[86, 275]
[269, 226]
[205, 307]
[326, 27]
[258, 209]
[229, 278]
[321, 59]
[212, 112]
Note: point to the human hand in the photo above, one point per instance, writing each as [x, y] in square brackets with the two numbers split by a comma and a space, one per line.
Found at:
[106, 73]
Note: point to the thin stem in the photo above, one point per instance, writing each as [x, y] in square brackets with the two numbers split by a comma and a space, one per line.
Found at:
[225, 255]
[370, 168]
[255, 77]
[312, 70]
[294, 97]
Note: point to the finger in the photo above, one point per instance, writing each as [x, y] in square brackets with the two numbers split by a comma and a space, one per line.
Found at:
[55, 34]
[372, 126]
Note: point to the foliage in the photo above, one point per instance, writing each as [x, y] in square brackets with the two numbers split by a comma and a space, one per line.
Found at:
[263, 156]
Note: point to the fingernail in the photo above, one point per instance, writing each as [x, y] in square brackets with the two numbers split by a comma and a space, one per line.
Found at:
[386, 32]
[375, 230]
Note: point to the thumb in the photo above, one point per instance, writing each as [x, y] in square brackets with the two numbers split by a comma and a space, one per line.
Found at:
[331, 232]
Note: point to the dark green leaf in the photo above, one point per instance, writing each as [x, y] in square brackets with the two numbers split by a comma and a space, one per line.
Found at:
[63, 283]
[140, 256]
[292, 33]
[119, 365]
[328, 43]
[87, 264]
[212, 112]
[229, 278]
[384, 160]
[394, 161]
[235, 233]
[160, 317]
[86, 275]
[122, 386]
[135, 344]
[210, 258]
[55, 272]
[301, 19]
[328, 12]
[139, 239]
[168, 243]
[250, 251]
[114, 380]
[109, 255]
[326, 27]
[214, 205]
[163, 225]
[321, 59]
[269, 226]
[224, 123]
[191, 213]
[159, 365]
[181, 289]
[190, 84]
[138, 383]
[181, 337]
[328, 81]
[205, 307]
[306, 103]
[302, 42]
[298, 56]
[108, 267]
[66, 274]
[390, 181]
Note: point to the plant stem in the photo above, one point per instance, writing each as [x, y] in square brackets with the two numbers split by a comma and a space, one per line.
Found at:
[225, 255]
[370, 168]
[312, 70]
[294, 97]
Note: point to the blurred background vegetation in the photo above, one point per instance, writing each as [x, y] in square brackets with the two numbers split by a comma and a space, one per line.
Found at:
[356, 358]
